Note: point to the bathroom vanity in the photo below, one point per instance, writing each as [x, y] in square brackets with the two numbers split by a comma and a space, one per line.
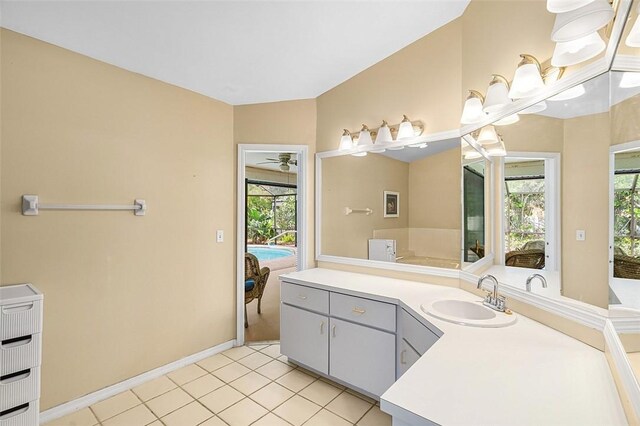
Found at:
[371, 333]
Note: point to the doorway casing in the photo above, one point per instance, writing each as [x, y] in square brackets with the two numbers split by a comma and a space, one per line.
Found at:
[301, 214]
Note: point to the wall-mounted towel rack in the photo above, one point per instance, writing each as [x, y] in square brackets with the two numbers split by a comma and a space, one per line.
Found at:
[31, 206]
[348, 211]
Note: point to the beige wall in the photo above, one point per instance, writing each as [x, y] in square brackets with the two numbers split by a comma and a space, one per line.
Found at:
[434, 191]
[358, 183]
[625, 126]
[422, 81]
[123, 294]
[585, 194]
[282, 123]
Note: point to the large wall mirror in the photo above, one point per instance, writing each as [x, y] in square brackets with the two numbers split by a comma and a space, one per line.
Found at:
[422, 205]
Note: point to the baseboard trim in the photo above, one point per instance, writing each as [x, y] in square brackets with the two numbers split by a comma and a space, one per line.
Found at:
[623, 367]
[102, 394]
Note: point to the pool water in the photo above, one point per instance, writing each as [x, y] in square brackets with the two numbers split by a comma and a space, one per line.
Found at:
[267, 253]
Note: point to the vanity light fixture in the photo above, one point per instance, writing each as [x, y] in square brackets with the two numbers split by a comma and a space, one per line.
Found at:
[405, 130]
[497, 94]
[511, 119]
[633, 39]
[571, 93]
[535, 108]
[629, 80]
[582, 21]
[528, 78]
[560, 6]
[472, 111]
[383, 136]
[346, 142]
[472, 155]
[487, 136]
[365, 141]
[579, 50]
[496, 150]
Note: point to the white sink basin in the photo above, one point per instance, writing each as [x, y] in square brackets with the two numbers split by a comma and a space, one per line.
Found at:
[472, 314]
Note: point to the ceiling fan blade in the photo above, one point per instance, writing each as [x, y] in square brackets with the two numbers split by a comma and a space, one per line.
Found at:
[269, 162]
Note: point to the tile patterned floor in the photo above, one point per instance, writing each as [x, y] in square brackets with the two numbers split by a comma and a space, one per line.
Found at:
[247, 385]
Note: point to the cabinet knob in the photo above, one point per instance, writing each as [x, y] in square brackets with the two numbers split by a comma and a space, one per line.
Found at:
[302, 297]
[402, 361]
[333, 331]
[322, 327]
[358, 311]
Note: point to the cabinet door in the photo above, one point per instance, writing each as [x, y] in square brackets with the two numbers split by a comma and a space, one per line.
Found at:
[407, 356]
[304, 337]
[362, 356]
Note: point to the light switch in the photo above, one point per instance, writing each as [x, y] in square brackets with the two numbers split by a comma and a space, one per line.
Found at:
[580, 235]
[219, 236]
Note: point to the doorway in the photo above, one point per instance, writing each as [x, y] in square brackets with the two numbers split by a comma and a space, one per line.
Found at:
[271, 220]
[530, 207]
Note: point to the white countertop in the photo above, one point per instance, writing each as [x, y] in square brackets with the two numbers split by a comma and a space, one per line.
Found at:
[523, 374]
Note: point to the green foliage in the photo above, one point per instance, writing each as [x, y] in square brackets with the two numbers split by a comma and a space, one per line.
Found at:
[524, 213]
[261, 224]
[626, 218]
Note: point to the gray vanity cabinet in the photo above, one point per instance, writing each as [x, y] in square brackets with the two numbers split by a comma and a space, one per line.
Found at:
[362, 356]
[304, 337]
[414, 339]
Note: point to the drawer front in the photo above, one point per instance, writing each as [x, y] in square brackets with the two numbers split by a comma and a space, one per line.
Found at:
[19, 388]
[418, 336]
[305, 297]
[407, 356]
[21, 415]
[19, 354]
[20, 319]
[364, 311]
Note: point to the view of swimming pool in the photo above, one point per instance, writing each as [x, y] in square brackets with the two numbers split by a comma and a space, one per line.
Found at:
[270, 253]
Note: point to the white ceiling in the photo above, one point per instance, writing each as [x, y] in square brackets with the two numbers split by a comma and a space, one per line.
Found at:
[240, 52]
[262, 160]
[410, 154]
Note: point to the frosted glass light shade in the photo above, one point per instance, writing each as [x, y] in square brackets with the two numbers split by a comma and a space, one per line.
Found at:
[496, 150]
[573, 52]
[488, 136]
[384, 134]
[630, 79]
[472, 155]
[526, 82]
[405, 131]
[633, 39]
[583, 21]
[513, 118]
[497, 97]
[346, 143]
[360, 154]
[535, 108]
[571, 93]
[364, 139]
[560, 6]
[472, 112]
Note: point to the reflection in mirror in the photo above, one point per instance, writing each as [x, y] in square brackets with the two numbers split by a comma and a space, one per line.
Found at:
[553, 175]
[473, 204]
[624, 256]
[401, 206]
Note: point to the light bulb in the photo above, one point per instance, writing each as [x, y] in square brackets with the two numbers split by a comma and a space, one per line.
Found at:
[346, 142]
[405, 131]
[573, 52]
[527, 80]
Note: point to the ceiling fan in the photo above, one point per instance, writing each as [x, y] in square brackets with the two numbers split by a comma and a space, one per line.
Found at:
[284, 159]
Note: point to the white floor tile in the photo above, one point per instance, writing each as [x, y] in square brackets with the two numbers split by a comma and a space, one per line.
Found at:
[274, 369]
[137, 416]
[349, 407]
[272, 350]
[214, 362]
[168, 402]
[153, 388]
[249, 383]
[187, 374]
[327, 418]
[255, 360]
[231, 372]
[221, 398]
[295, 380]
[115, 405]
[203, 385]
[375, 417]
[243, 413]
[271, 420]
[83, 417]
[272, 395]
[190, 415]
[297, 410]
[238, 352]
[320, 392]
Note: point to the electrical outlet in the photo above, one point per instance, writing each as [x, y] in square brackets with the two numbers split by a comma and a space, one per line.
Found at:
[219, 236]
[580, 235]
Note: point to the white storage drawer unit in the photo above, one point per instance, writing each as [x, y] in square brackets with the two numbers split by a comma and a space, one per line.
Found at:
[305, 297]
[364, 311]
[26, 414]
[20, 354]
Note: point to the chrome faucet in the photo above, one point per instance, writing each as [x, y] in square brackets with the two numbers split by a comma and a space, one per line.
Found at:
[493, 299]
[543, 280]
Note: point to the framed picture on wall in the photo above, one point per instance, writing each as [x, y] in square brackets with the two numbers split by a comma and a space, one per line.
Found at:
[391, 204]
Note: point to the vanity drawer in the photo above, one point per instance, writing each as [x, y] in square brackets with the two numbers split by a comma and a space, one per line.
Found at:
[416, 334]
[305, 297]
[364, 311]
[19, 354]
[22, 415]
[20, 319]
[18, 388]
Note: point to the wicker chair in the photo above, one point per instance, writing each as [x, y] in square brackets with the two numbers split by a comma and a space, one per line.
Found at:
[255, 280]
[533, 259]
[626, 267]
